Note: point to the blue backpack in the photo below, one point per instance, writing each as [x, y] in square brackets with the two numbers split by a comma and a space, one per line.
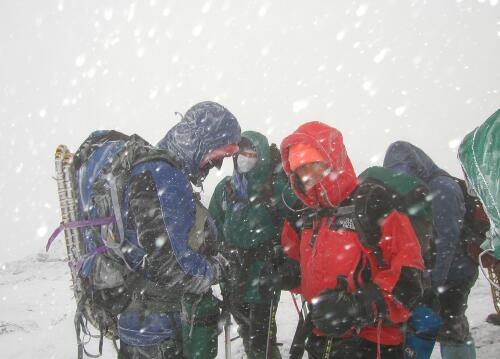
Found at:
[105, 258]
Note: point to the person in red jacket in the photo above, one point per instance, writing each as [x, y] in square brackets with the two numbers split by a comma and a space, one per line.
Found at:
[359, 286]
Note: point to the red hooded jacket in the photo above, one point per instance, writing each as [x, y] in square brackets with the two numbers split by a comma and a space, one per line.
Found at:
[339, 252]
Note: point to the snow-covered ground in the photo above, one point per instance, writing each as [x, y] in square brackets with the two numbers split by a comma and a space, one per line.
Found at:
[37, 315]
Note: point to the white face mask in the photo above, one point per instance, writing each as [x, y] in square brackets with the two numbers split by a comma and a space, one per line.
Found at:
[245, 164]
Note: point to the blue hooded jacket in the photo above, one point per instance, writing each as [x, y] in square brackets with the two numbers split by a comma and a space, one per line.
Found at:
[162, 209]
[448, 209]
[205, 126]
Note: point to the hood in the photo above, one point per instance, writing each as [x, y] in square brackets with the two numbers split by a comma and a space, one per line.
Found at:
[205, 127]
[336, 186]
[258, 175]
[479, 155]
[404, 157]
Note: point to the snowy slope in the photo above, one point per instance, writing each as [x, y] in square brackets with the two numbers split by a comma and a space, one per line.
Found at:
[37, 314]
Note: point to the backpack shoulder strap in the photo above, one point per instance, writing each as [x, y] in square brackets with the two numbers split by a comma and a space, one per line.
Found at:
[364, 210]
[409, 195]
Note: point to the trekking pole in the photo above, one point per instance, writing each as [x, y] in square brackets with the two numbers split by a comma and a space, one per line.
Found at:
[227, 336]
[295, 304]
[328, 348]
[226, 312]
[269, 344]
[304, 326]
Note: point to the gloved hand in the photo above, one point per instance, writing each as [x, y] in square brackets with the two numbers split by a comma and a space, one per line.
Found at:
[269, 281]
[430, 299]
[336, 311]
[274, 278]
[221, 267]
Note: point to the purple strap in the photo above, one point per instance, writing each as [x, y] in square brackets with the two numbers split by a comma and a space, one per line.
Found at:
[78, 224]
[79, 263]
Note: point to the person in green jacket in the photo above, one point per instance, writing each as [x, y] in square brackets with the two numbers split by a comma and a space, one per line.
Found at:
[249, 209]
[479, 155]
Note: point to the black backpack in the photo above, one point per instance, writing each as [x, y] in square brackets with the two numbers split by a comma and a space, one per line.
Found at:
[381, 191]
[105, 262]
[476, 223]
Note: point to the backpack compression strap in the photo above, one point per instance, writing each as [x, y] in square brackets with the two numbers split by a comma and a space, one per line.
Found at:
[78, 224]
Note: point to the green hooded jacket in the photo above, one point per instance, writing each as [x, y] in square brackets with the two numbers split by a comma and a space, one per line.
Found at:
[479, 154]
[248, 231]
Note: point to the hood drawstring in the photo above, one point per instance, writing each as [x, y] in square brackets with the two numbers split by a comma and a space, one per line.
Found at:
[290, 207]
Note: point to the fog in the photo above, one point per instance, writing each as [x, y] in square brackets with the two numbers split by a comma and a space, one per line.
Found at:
[423, 71]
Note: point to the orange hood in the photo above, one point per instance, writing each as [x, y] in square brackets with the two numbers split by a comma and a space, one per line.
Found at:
[340, 182]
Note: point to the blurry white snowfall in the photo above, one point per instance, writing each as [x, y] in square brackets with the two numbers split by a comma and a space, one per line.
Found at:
[421, 71]
[38, 307]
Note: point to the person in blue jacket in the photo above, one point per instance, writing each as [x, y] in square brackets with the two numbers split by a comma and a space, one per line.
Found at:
[165, 215]
[454, 272]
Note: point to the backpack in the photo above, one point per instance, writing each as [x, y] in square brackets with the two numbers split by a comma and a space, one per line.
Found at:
[408, 195]
[475, 225]
[106, 260]
[380, 191]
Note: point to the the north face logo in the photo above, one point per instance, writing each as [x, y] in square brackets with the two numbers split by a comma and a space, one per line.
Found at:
[346, 223]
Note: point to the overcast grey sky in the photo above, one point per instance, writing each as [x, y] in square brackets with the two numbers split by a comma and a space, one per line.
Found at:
[423, 71]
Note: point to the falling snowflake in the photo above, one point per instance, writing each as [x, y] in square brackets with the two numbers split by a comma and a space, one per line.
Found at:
[300, 105]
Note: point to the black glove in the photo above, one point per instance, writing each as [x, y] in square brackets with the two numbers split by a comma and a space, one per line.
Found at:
[274, 278]
[430, 299]
[336, 311]
[221, 267]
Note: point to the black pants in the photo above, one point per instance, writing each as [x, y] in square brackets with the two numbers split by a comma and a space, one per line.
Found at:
[453, 304]
[165, 350]
[352, 348]
[253, 324]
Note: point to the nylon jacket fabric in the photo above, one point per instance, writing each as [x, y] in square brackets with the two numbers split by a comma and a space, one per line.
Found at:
[246, 227]
[205, 126]
[330, 252]
[448, 210]
[162, 211]
[479, 155]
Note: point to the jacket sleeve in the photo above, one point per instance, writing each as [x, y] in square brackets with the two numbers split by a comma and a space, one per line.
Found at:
[408, 289]
[400, 280]
[162, 211]
[216, 210]
[290, 241]
[290, 263]
[448, 211]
